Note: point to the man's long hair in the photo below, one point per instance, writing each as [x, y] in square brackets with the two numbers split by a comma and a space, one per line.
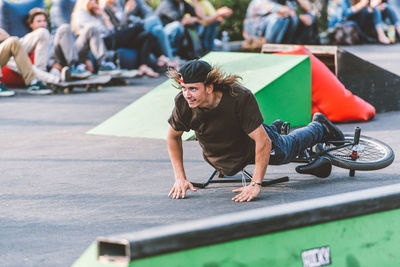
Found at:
[216, 76]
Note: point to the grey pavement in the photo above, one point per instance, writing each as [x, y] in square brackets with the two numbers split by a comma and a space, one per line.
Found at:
[61, 188]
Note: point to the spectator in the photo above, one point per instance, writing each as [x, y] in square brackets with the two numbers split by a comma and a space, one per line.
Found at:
[277, 21]
[366, 21]
[385, 12]
[39, 41]
[175, 16]
[64, 55]
[86, 21]
[11, 47]
[88, 14]
[210, 18]
[138, 11]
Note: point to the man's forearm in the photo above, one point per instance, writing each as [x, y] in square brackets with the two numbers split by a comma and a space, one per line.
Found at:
[263, 152]
[175, 151]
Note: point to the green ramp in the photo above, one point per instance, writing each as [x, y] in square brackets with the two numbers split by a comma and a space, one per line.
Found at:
[353, 229]
[281, 84]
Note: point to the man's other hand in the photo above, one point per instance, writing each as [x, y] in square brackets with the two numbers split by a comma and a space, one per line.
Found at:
[180, 187]
[247, 193]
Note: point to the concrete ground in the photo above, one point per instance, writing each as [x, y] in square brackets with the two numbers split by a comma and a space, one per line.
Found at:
[61, 188]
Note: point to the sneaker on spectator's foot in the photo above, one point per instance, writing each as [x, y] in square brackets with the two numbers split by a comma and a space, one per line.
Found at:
[108, 68]
[80, 72]
[65, 74]
[38, 88]
[4, 91]
[331, 132]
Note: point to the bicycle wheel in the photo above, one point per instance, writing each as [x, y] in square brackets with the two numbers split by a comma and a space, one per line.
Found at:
[372, 154]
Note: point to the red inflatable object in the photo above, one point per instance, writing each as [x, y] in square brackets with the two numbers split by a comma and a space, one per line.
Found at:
[11, 78]
[330, 97]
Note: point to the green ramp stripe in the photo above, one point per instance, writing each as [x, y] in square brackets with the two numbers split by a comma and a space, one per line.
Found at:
[147, 117]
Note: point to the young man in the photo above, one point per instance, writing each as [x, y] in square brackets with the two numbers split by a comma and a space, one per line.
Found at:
[38, 41]
[61, 55]
[229, 127]
[10, 47]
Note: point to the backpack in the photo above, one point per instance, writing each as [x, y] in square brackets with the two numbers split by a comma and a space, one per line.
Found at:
[191, 47]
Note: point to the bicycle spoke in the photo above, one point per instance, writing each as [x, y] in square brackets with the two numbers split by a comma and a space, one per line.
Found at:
[370, 152]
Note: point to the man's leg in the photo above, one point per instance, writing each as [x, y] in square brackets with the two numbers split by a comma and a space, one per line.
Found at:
[38, 40]
[287, 147]
[90, 41]
[11, 47]
[175, 31]
[64, 52]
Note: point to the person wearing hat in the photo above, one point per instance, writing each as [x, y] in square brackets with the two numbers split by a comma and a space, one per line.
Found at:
[228, 124]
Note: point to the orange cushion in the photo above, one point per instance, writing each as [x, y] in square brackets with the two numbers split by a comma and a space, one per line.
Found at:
[330, 97]
[12, 78]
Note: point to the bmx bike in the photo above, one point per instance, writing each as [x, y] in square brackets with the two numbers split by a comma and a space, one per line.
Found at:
[355, 153]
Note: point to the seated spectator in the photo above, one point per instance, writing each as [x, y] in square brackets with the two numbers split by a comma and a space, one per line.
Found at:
[138, 11]
[39, 41]
[11, 47]
[210, 18]
[385, 12]
[87, 13]
[366, 18]
[175, 16]
[64, 55]
[278, 22]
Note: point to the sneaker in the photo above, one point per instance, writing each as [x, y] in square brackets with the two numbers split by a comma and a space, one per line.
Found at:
[331, 132]
[38, 88]
[80, 72]
[108, 68]
[65, 75]
[4, 91]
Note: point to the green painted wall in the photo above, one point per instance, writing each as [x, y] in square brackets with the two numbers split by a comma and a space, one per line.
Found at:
[369, 240]
[281, 83]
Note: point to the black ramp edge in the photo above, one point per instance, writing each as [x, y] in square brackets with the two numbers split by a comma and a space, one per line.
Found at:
[182, 236]
[379, 87]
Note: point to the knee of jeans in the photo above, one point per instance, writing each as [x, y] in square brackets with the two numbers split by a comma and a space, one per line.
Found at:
[157, 30]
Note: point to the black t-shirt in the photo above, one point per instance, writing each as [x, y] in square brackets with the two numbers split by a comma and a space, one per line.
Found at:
[223, 131]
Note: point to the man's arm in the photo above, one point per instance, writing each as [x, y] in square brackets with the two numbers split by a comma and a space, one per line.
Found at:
[175, 151]
[262, 151]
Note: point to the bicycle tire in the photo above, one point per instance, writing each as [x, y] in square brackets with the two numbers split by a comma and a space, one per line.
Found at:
[375, 154]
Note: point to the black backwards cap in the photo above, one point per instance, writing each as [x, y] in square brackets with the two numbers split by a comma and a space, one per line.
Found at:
[194, 71]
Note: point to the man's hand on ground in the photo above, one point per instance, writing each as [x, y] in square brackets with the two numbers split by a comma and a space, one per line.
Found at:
[247, 193]
[180, 187]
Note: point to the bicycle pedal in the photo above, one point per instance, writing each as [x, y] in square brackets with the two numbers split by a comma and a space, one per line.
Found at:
[285, 129]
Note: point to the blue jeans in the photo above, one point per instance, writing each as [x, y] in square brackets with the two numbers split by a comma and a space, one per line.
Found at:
[207, 35]
[387, 14]
[285, 148]
[175, 31]
[154, 25]
[278, 28]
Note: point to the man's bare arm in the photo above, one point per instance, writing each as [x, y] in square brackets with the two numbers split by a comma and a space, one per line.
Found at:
[175, 150]
[262, 154]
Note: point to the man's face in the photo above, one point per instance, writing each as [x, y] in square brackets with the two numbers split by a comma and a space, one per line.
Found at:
[39, 21]
[195, 94]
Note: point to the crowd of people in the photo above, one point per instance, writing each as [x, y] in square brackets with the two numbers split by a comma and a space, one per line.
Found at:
[296, 21]
[161, 36]
[78, 49]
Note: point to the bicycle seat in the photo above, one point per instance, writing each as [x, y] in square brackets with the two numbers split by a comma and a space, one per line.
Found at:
[320, 167]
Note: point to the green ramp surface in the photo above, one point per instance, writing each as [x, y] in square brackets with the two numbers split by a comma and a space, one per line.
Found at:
[281, 84]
